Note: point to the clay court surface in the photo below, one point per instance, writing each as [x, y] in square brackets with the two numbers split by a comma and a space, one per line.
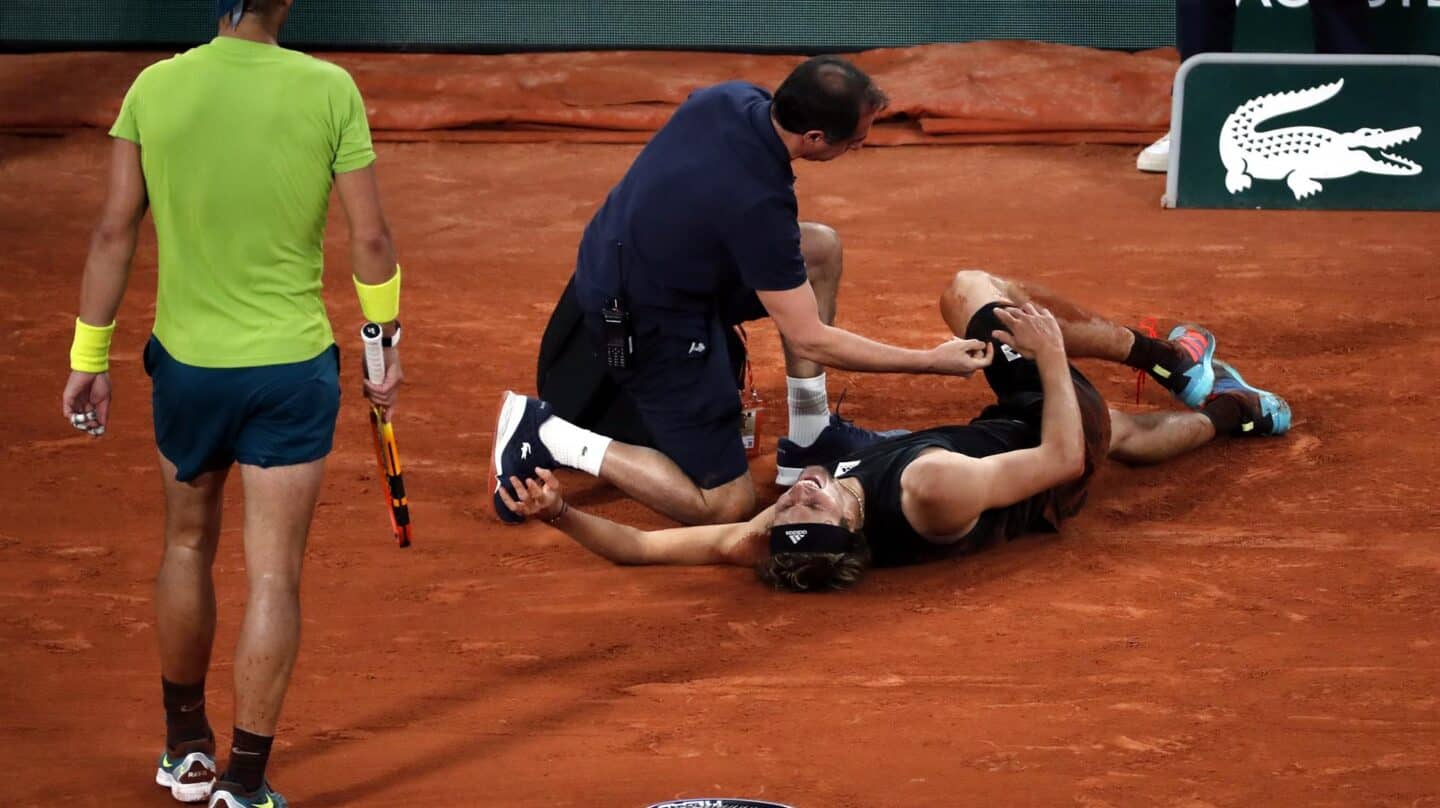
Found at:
[1257, 624]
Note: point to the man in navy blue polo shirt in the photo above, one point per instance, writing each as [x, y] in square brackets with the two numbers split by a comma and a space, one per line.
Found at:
[702, 234]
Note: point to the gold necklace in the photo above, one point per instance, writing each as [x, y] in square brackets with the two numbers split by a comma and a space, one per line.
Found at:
[859, 503]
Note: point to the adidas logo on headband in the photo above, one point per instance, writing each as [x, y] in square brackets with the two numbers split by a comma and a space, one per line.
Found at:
[811, 538]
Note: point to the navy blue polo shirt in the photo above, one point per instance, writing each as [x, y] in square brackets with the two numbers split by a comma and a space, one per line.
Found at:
[706, 211]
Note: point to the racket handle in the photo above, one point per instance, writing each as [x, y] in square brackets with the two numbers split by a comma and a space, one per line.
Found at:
[370, 334]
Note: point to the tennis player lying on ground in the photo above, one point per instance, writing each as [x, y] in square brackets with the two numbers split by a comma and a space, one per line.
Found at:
[1022, 466]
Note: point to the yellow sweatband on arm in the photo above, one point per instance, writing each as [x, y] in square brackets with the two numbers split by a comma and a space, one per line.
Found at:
[380, 303]
[90, 352]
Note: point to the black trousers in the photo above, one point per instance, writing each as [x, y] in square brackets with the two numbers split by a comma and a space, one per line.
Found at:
[1208, 26]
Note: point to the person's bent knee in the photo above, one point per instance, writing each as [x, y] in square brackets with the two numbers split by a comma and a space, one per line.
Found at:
[968, 290]
[734, 502]
[820, 246]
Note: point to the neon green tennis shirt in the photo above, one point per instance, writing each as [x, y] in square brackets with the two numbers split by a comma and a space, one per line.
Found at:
[239, 143]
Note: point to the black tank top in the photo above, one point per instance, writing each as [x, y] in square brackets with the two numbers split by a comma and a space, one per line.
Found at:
[893, 542]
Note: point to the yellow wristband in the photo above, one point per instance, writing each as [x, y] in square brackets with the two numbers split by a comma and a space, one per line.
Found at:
[380, 303]
[90, 352]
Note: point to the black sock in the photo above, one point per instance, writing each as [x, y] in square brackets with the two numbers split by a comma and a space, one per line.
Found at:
[1226, 413]
[1147, 352]
[248, 755]
[184, 713]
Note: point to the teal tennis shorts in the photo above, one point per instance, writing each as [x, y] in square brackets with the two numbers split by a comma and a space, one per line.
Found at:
[275, 415]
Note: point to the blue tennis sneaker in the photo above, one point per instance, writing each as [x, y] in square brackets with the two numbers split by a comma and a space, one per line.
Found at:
[1265, 412]
[518, 449]
[1192, 376]
[233, 795]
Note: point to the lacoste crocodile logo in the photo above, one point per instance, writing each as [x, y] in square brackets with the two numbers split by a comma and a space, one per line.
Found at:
[1300, 155]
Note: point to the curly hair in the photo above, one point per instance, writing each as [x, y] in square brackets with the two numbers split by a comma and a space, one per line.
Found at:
[816, 572]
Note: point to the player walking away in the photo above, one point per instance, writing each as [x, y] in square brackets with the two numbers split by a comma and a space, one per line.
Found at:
[701, 234]
[234, 147]
[1023, 465]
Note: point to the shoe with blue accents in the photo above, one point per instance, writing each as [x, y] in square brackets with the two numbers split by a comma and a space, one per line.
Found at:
[518, 450]
[188, 770]
[1192, 376]
[233, 795]
[838, 440]
[1265, 412]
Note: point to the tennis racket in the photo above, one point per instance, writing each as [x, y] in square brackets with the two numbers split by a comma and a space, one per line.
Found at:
[387, 452]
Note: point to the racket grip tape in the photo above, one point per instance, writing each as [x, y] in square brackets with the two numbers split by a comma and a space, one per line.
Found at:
[370, 334]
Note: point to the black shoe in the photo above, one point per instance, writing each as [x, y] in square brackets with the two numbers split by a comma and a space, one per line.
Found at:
[518, 449]
[839, 439]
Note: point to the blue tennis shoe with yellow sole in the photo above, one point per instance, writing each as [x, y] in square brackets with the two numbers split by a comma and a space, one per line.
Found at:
[1265, 412]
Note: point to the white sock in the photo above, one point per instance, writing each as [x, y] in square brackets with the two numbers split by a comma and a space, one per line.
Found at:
[809, 408]
[573, 446]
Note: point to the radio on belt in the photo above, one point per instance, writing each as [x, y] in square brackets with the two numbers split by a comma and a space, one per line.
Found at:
[619, 343]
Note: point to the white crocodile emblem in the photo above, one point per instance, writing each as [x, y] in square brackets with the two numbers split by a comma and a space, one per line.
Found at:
[1302, 154]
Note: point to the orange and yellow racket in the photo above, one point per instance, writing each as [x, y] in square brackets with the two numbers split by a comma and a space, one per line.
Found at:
[387, 452]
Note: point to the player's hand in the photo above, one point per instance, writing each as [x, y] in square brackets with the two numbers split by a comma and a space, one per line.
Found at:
[1032, 331]
[86, 402]
[385, 394]
[961, 357]
[535, 497]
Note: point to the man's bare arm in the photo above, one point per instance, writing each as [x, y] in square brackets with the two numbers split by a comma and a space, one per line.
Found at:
[944, 492]
[372, 253]
[107, 269]
[733, 543]
[797, 316]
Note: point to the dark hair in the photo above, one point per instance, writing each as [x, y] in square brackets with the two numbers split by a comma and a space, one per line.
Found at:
[260, 8]
[816, 572]
[829, 94]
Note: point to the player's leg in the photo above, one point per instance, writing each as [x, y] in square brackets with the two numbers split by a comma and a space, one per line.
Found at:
[1087, 334]
[808, 400]
[684, 388]
[655, 480]
[1235, 408]
[694, 477]
[185, 627]
[193, 430]
[824, 264]
[279, 503]
[281, 445]
[184, 588]
[1154, 437]
[1183, 364]
[815, 436]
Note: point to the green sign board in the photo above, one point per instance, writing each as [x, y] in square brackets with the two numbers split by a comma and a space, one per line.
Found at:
[1298, 131]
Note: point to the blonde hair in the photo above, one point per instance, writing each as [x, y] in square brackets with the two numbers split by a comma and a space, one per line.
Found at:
[816, 572]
